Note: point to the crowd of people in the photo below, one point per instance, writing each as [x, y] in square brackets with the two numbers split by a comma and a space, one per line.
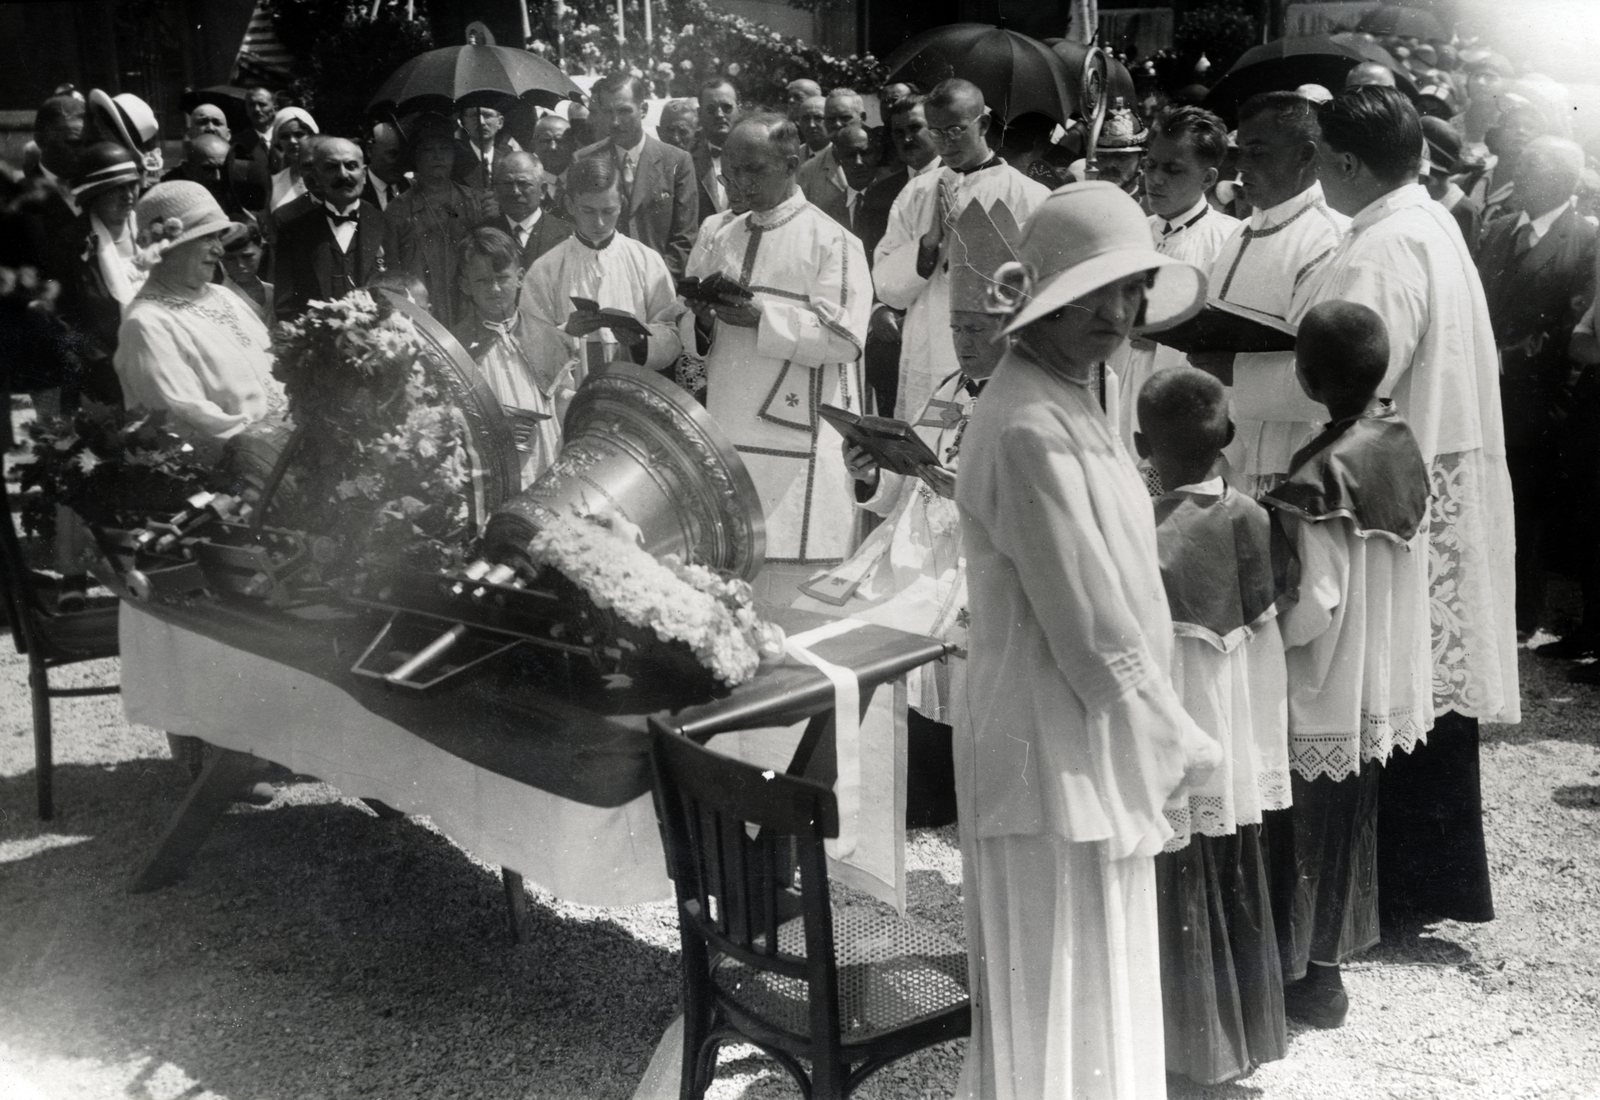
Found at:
[1226, 620]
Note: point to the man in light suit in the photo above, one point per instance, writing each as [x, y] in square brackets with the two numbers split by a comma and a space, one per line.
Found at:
[820, 177]
[719, 107]
[661, 205]
[333, 245]
[859, 152]
[518, 187]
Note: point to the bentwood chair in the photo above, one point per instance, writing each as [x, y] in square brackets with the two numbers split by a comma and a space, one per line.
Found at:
[50, 639]
[767, 959]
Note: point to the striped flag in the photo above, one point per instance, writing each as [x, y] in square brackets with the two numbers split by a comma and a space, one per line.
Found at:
[262, 58]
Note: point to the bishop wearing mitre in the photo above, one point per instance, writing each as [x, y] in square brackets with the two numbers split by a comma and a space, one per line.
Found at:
[792, 347]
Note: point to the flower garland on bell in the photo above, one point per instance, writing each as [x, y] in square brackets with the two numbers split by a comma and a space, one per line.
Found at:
[679, 602]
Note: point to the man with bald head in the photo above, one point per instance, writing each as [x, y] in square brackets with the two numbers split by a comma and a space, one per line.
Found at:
[207, 118]
[821, 178]
[794, 346]
[518, 189]
[797, 90]
[1370, 72]
[1538, 278]
[335, 243]
[909, 271]
[807, 116]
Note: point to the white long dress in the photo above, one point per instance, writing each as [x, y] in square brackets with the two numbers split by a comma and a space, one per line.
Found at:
[207, 361]
[765, 384]
[1405, 259]
[1068, 741]
[927, 351]
[1194, 236]
[1259, 267]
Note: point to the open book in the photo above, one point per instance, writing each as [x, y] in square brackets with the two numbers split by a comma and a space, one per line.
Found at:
[1224, 326]
[893, 443]
[589, 317]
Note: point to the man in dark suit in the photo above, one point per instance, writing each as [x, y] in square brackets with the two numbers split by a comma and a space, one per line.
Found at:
[334, 245]
[208, 160]
[1538, 277]
[386, 178]
[518, 187]
[485, 143]
[46, 212]
[859, 154]
[660, 205]
[719, 107]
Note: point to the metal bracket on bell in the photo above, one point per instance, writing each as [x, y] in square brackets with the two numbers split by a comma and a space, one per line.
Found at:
[410, 652]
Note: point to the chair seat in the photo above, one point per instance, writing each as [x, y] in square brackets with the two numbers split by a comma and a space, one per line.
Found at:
[892, 973]
[81, 635]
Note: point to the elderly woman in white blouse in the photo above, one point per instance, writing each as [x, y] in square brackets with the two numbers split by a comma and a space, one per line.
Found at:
[186, 344]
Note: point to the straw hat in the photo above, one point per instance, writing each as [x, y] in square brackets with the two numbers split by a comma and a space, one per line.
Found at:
[1084, 236]
[101, 168]
[125, 118]
[179, 211]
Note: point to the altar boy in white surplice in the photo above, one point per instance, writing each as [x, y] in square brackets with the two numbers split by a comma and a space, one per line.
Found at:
[614, 271]
[796, 345]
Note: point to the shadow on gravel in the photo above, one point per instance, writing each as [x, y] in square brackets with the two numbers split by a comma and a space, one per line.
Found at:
[1415, 944]
[1585, 796]
[313, 951]
[1553, 708]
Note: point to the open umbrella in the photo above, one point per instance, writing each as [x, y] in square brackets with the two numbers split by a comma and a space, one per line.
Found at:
[458, 77]
[1119, 81]
[1284, 64]
[1017, 74]
[1403, 22]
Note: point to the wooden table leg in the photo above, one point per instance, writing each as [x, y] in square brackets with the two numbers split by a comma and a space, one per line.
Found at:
[226, 772]
[517, 914]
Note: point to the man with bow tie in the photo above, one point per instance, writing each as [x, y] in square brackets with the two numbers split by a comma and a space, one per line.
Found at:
[335, 244]
[655, 181]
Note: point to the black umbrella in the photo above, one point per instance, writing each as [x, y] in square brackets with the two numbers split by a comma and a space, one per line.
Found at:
[1017, 74]
[1403, 22]
[1284, 64]
[458, 77]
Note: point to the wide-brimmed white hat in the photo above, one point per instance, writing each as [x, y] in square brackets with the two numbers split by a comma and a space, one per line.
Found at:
[1083, 237]
[178, 211]
[125, 119]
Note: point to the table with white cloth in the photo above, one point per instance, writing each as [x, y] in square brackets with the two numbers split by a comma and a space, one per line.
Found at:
[517, 764]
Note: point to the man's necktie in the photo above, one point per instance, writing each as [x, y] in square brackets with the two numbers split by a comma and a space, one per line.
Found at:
[522, 236]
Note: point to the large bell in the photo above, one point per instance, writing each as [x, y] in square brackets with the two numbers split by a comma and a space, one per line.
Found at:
[640, 447]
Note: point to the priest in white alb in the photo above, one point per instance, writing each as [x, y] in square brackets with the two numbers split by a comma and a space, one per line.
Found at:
[911, 263]
[795, 346]
[1291, 230]
[601, 265]
[1405, 259]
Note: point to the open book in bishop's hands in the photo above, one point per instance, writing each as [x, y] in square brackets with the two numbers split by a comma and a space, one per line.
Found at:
[588, 317]
[893, 444]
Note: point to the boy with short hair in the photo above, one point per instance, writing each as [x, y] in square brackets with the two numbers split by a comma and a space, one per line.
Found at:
[1221, 978]
[1185, 152]
[1353, 513]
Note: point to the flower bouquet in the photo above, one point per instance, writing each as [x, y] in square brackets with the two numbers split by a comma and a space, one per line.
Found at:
[115, 468]
[379, 453]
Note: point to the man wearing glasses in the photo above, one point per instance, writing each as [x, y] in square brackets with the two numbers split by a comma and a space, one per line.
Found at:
[909, 265]
[518, 187]
[486, 143]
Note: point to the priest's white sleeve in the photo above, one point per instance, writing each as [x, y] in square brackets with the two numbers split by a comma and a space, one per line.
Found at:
[830, 325]
[662, 311]
[894, 264]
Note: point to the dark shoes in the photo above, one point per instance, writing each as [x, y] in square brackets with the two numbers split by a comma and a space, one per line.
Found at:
[1318, 1004]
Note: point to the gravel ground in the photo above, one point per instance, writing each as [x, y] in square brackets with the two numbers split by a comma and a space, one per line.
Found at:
[316, 950]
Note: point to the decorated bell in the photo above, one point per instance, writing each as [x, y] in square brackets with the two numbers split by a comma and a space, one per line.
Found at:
[640, 449]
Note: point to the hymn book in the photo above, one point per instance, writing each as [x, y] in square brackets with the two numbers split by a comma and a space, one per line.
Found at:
[893, 444]
[1225, 326]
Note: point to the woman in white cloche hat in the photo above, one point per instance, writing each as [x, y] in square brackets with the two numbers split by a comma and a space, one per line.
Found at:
[1069, 737]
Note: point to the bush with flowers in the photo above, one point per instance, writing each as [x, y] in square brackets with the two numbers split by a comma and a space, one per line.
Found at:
[379, 456]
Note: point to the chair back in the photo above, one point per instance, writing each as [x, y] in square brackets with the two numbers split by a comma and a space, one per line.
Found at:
[745, 847]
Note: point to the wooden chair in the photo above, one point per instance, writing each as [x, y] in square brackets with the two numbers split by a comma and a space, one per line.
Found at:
[766, 958]
[50, 639]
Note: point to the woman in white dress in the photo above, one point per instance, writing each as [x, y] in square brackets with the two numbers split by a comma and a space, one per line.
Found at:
[186, 344]
[1069, 738]
[290, 129]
